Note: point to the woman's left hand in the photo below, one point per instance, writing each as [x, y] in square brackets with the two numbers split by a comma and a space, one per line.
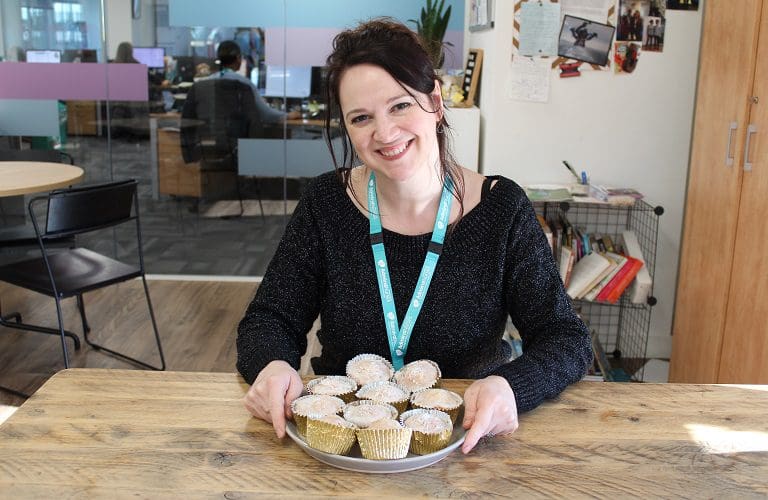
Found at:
[489, 409]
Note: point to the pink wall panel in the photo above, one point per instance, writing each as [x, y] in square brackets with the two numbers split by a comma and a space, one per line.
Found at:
[74, 81]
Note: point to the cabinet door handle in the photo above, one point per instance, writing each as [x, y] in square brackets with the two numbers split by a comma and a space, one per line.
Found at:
[752, 129]
[728, 157]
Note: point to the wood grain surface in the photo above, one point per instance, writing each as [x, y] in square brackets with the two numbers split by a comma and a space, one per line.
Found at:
[24, 177]
[120, 433]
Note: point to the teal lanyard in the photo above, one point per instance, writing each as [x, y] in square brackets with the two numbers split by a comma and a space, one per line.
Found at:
[400, 336]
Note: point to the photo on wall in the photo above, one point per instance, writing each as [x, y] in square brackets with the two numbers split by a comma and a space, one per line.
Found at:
[625, 57]
[655, 26]
[683, 4]
[585, 40]
[633, 17]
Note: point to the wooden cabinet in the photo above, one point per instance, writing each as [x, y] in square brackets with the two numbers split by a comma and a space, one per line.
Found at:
[82, 118]
[184, 179]
[720, 329]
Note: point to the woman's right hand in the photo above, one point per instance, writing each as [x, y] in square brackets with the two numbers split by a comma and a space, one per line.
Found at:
[272, 393]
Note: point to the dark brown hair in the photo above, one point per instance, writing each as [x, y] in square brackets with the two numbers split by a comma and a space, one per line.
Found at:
[393, 47]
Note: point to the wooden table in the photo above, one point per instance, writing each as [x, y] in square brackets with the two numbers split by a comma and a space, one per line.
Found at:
[24, 177]
[101, 433]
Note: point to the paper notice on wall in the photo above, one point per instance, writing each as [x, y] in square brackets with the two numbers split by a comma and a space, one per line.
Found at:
[539, 26]
[529, 79]
[594, 10]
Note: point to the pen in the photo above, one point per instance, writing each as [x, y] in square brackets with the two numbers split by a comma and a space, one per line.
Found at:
[571, 170]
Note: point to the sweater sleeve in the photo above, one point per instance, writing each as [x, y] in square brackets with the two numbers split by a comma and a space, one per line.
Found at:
[556, 344]
[287, 301]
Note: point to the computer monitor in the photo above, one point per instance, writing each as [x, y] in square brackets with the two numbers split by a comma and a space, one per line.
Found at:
[43, 56]
[80, 55]
[151, 56]
[319, 81]
[288, 81]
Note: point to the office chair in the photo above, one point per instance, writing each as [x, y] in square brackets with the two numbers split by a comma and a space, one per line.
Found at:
[49, 155]
[228, 112]
[74, 271]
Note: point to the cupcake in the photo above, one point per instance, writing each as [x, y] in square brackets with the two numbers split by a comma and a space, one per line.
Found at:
[438, 399]
[432, 430]
[333, 385]
[363, 413]
[418, 375]
[384, 439]
[367, 368]
[315, 406]
[385, 392]
[331, 434]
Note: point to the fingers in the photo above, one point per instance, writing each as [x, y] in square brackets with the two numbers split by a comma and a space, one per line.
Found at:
[295, 389]
[481, 425]
[277, 390]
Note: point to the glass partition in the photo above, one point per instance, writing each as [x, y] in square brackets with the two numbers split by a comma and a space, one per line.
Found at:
[152, 100]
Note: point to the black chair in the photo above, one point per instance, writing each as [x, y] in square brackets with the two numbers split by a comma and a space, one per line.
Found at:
[49, 155]
[226, 111]
[74, 271]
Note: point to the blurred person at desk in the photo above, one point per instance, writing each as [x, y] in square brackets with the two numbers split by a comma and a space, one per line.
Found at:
[230, 59]
[131, 118]
[354, 253]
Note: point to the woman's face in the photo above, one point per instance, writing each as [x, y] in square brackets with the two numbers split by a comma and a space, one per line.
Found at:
[390, 130]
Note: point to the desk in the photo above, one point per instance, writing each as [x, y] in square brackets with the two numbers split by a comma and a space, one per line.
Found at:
[101, 433]
[25, 177]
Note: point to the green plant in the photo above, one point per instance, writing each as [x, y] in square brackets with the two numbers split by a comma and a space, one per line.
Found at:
[431, 27]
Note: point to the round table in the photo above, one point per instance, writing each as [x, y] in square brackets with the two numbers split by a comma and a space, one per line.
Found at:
[24, 177]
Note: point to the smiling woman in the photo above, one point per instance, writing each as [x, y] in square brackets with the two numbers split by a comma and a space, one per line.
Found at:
[395, 268]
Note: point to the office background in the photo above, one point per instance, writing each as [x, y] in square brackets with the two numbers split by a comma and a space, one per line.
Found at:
[623, 130]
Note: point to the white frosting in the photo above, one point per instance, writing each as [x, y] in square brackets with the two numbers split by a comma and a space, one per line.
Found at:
[437, 398]
[332, 385]
[417, 375]
[365, 371]
[317, 404]
[387, 392]
[427, 423]
[385, 423]
[337, 420]
[365, 415]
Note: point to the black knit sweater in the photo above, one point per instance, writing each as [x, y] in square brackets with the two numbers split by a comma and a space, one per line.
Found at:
[495, 263]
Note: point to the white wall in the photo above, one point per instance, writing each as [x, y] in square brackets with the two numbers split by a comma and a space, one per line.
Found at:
[625, 130]
[119, 27]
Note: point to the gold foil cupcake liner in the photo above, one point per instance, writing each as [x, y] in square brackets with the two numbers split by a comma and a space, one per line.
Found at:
[393, 413]
[423, 443]
[452, 411]
[330, 438]
[347, 397]
[384, 444]
[400, 405]
[300, 419]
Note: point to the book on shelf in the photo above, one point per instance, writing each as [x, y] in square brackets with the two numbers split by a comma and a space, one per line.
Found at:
[567, 258]
[614, 195]
[640, 288]
[547, 192]
[604, 367]
[619, 260]
[586, 272]
[547, 231]
[612, 291]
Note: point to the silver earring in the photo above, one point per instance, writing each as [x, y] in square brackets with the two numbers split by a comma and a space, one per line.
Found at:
[440, 129]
